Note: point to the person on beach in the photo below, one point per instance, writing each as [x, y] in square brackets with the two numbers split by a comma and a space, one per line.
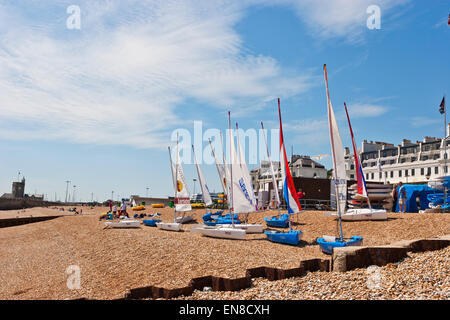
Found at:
[110, 206]
[401, 197]
[124, 209]
[394, 198]
[114, 210]
[301, 194]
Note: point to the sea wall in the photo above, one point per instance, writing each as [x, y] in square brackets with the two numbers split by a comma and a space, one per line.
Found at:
[22, 203]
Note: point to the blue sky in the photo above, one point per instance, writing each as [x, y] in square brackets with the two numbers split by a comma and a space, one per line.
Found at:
[98, 105]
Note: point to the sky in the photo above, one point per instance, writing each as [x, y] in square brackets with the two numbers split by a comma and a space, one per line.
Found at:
[98, 103]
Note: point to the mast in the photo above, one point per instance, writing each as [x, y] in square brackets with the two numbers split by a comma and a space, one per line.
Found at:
[231, 170]
[221, 174]
[274, 180]
[336, 177]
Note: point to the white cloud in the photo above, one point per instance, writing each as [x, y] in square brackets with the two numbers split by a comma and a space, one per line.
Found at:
[423, 121]
[361, 110]
[122, 77]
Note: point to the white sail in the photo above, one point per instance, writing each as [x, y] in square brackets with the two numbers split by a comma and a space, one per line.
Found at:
[272, 171]
[182, 198]
[227, 174]
[245, 172]
[339, 174]
[242, 201]
[201, 179]
[172, 168]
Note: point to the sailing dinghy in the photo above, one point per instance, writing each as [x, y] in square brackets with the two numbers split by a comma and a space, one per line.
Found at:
[327, 243]
[360, 214]
[126, 223]
[239, 197]
[280, 220]
[291, 237]
[182, 201]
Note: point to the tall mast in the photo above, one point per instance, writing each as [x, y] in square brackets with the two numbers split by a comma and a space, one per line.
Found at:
[334, 154]
[231, 170]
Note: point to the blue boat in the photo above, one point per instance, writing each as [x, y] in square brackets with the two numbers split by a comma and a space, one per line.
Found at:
[291, 237]
[151, 222]
[327, 246]
[278, 222]
[212, 215]
[221, 221]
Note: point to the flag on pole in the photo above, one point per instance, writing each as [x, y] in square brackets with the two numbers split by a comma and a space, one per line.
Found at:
[442, 106]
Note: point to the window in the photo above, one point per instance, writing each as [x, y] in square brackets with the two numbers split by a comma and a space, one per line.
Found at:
[392, 174]
[384, 154]
[406, 173]
[392, 161]
[413, 159]
[383, 163]
[413, 172]
[446, 169]
[422, 172]
[380, 175]
[367, 176]
[436, 170]
[352, 176]
[402, 160]
[399, 173]
[429, 172]
[373, 176]
[425, 158]
[352, 167]
[436, 156]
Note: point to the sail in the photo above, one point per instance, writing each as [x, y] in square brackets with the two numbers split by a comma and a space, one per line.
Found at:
[220, 170]
[290, 195]
[245, 172]
[241, 199]
[339, 173]
[360, 181]
[182, 199]
[172, 168]
[201, 179]
[272, 172]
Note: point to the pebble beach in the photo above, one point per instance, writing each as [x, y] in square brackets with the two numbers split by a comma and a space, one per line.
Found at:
[35, 257]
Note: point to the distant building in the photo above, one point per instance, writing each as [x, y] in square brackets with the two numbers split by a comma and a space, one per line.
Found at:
[409, 162]
[300, 167]
[18, 190]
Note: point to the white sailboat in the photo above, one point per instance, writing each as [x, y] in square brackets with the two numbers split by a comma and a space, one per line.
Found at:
[359, 214]
[182, 199]
[241, 201]
[327, 243]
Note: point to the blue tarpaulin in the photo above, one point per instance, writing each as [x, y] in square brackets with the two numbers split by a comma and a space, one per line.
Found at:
[412, 192]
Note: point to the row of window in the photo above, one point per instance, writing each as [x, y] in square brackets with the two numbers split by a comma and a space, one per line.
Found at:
[401, 173]
[407, 150]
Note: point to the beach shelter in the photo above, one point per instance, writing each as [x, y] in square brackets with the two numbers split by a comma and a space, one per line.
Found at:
[412, 192]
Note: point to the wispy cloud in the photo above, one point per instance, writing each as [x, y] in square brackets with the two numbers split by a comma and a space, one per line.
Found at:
[122, 78]
[423, 121]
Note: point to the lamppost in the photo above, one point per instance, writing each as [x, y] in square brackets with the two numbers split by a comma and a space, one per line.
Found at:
[73, 195]
[194, 184]
[147, 191]
[67, 188]
[112, 196]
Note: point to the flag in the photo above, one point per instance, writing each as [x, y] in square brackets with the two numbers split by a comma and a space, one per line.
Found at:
[442, 106]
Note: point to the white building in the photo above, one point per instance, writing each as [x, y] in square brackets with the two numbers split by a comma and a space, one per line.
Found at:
[407, 162]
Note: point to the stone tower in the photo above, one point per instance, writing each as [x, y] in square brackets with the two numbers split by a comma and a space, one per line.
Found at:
[18, 188]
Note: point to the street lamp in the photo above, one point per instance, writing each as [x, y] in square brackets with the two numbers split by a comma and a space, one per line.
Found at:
[147, 191]
[194, 184]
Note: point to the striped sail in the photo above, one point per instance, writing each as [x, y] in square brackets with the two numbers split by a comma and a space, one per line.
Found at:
[360, 181]
[201, 179]
[290, 195]
[339, 173]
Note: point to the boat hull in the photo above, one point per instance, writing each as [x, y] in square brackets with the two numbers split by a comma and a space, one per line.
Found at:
[362, 214]
[328, 246]
[224, 233]
[151, 222]
[123, 224]
[220, 221]
[249, 228]
[278, 222]
[291, 237]
[184, 219]
[169, 226]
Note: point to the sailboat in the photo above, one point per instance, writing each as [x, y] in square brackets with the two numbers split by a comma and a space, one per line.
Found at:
[359, 214]
[238, 195]
[293, 205]
[327, 243]
[278, 221]
[182, 200]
